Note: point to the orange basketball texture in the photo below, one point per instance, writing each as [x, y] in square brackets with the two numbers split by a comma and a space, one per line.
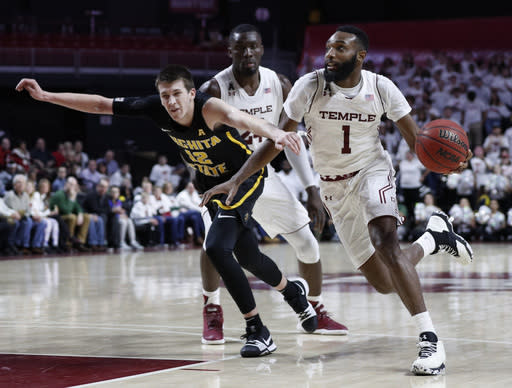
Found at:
[441, 145]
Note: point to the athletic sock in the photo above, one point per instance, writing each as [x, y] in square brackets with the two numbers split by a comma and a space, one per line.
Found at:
[315, 300]
[290, 290]
[254, 321]
[423, 322]
[211, 297]
[427, 242]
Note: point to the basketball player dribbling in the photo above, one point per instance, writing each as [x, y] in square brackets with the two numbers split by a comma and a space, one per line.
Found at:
[341, 106]
[261, 92]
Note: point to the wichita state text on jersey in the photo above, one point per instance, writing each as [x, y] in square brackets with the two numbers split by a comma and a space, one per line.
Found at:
[215, 155]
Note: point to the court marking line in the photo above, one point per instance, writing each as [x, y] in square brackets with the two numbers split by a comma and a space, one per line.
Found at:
[120, 379]
[171, 331]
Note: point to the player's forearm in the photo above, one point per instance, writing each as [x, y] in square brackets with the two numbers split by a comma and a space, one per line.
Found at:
[259, 159]
[89, 103]
[300, 164]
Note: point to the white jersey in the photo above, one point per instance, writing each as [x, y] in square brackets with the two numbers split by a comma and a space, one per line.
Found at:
[266, 103]
[343, 131]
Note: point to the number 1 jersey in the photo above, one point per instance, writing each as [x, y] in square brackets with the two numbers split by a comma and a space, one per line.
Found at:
[344, 131]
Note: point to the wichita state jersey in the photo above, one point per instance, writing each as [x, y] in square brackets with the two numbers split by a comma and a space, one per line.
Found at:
[344, 131]
[215, 155]
[266, 103]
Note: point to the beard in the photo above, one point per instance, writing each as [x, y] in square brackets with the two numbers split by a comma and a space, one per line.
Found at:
[342, 71]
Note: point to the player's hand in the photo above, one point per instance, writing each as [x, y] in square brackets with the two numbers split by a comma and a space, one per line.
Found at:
[315, 209]
[288, 139]
[32, 87]
[229, 187]
[463, 165]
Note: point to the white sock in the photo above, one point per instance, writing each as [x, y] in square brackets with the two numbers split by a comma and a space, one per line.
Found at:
[212, 297]
[427, 242]
[423, 322]
[315, 299]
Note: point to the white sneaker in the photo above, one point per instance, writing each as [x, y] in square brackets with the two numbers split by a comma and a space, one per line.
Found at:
[136, 245]
[125, 247]
[440, 227]
[431, 357]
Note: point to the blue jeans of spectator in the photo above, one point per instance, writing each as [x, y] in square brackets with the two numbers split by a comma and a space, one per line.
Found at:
[20, 235]
[161, 228]
[176, 227]
[193, 218]
[38, 228]
[96, 233]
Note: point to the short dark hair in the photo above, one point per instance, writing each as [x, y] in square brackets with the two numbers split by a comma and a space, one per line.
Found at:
[360, 35]
[171, 73]
[241, 28]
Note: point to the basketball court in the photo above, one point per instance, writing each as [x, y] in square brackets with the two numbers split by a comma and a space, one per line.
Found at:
[134, 320]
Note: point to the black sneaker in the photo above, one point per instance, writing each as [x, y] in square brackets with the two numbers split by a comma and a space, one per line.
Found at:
[257, 342]
[300, 304]
[440, 227]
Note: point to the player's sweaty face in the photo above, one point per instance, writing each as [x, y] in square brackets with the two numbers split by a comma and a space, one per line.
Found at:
[340, 55]
[176, 99]
[246, 51]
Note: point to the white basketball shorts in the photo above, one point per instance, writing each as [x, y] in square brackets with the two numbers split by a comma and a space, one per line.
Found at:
[354, 202]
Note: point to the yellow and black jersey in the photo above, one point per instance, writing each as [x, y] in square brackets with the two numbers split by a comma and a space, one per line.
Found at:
[216, 155]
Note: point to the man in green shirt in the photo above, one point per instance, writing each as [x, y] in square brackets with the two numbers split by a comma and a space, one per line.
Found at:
[71, 212]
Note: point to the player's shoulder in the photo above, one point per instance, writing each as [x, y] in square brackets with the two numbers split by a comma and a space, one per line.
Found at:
[211, 87]
[311, 80]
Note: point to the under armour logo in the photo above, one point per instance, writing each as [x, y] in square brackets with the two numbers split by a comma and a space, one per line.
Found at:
[328, 197]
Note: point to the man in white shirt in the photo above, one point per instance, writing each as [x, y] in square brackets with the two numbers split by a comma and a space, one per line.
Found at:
[189, 200]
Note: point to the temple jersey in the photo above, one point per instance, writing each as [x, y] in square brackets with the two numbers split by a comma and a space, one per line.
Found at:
[344, 137]
[277, 210]
[266, 103]
[343, 131]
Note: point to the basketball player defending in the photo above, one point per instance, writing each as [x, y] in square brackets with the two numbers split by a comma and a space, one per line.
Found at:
[342, 105]
[261, 92]
[203, 129]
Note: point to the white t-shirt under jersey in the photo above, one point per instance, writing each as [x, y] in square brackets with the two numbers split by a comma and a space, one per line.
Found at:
[343, 131]
[266, 103]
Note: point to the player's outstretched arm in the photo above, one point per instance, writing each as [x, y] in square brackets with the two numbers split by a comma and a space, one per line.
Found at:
[89, 103]
[216, 112]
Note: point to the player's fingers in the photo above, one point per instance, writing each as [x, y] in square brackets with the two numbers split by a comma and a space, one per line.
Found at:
[20, 85]
[206, 198]
[231, 195]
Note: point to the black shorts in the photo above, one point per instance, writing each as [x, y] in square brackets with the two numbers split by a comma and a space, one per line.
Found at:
[241, 206]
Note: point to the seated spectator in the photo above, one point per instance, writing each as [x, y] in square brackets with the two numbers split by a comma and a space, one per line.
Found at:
[60, 181]
[474, 114]
[6, 180]
[479, 166]
[20, 157]
[147, 225]
[127, 227]
[18, 200]
[96, 204]
[146, 187]
[39, 209]
[8, 219]
[41, 157]
[59, 154]
[5, 151]
[168, 211]
[110, 162]
[463, 218]
[493, 143]
[161, 172]
[80, 156]
[120, 177]
[90, 176]
[43, 189]
[497, 186]
[102, 169]
[411, 174]
[65, 201]
[491, 222]
[497, 113]
[188, 200]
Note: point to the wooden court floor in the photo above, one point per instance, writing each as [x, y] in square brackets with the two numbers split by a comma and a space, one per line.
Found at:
[133, 319]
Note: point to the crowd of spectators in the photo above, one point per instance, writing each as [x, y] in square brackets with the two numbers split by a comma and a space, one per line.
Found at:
[65, 200]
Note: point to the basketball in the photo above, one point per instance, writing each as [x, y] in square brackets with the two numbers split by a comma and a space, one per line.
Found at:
[441, 145]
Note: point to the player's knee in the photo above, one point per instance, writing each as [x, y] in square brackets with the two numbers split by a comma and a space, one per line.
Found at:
[215, 250]
[305, 245]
